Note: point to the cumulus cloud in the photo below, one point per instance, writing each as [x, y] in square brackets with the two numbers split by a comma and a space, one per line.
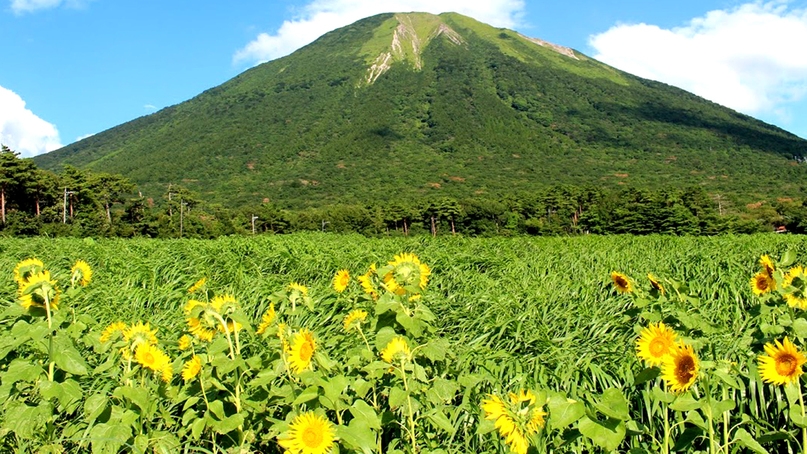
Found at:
[30, 6]
[21, 130]
[750, 58]
[322, 16]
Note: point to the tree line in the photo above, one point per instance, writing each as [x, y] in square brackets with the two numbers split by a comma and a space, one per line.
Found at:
[79, 202]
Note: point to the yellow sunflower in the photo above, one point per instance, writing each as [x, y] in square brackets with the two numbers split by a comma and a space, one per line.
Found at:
[767, 265]
[302, 350]
[192, 368]
[309, 433]
[197, 285]
[655, 343]
[26, 268]
[407, 271]
[37, 290]
[680, 368]
[151, 357]
[139, 333]
[655, 284]
[267, 319]
[296, 287]
[796, 279]
[202, 328]
[185, 342]
[341, 280]
[621, 282]
[366, 281]
[112, 330]
[224, 304]
[515, 419]
[762, 283]
[782, 363]
[396, 349]
[354, 319]
[80, 273]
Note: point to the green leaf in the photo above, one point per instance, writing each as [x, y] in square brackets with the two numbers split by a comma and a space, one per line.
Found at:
[308, 394]
[787, 259]
[66, 393]
[723, 406]
[647, 374]
[22, 370]
[685, 439]
[563, 411]
[397, 397]
[228, 424]
[606, 434]
[441, 421]
[137, 396]
[745, 439]
[334, 387]
[25, 420]
[613, 405]
[363, 412]
[197, 428]
[383, 337]
[66, 357]
[141, 443]
[413, 325]
[728, 379]
[796, 417]
[217, 408]
[436, 349]
[442, 391]
[358, 435]
[685, 402]
[109, 438]
[94, 406]
[800, 328]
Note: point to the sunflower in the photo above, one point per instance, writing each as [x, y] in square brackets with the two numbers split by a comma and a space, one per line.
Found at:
[341, 280]
[37, 290]
[151, 357]
[267, 319]
[192, 368]
[197, 285]
[762, 283]
[767, 265]
[202, 330]
[796, 278]
[397, 348]
[655, 284]
[112, 330]
[80, 273]
[407, 271]
[232, 326]
[302, 350]
[680, 368]
[185, 342]
[655, 343]
[296, 287]
[139, 333]
[26, 268]
[782, 363]
[308, 433]
[354, 319]
[224, 304]
[621, 282]
[515, 419]
[366, 281]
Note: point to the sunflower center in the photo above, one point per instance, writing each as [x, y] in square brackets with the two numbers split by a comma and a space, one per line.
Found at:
[620, 282]
[306, 351]
[786, 365]
[762, 283]
[148, 358]
[312, 438]
[685, 369]
[657, 347]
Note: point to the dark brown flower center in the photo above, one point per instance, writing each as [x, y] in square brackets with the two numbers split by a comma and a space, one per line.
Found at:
[786, 365]
[685, 369]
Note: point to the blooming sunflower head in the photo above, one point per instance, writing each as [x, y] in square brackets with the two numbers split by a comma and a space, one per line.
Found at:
[655, 343]
[39, 290]
[191, 368]
[113, 330]
[301, 351]
[341, 280]
[367, 284]
[197, 285]
[185, 342]
[796, 287]
[26, 268]
[267, 319]
[151, 357]
[762, 283]
[139, 333]
[80, 273]
[224, 304]
[516, 419]
[655, 284]
[781, 363]
[299, 288]
[396, 350]
[204, 328]
[680, 368]
[407, 274]
[354, 319]
[621, 282]
[767, 265]
[309, 433]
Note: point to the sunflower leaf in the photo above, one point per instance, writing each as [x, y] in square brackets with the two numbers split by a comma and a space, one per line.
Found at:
[607, 434]
[564, 411]
[746, 439]
[358, 434]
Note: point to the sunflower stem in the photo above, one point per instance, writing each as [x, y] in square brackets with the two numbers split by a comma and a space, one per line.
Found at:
[803, 429]
[409, 404]
[51, 363]
[665, 449]
[365, 339]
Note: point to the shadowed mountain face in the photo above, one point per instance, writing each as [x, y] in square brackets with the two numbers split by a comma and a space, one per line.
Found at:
[406, 105]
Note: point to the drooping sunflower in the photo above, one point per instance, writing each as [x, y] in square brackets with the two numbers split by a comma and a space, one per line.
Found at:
[203, 328]
[782, 363]
[302, 350]
[796, 279]
[762, 283]
[224, 304]
[680, 368]
[655, 284]
[655, 343]
[112, 330]
[515, 419]
[309, 433]
[26, 268]
[297, 287]
[185, 342]
[354, 319]
[139, 333]
[397, 349]
[197, 285]
[39, 290]
[341, 280]
[267, 319]
[767, 265]
[152, 358]
[191, 368]
[366, 281]
[407, 271]
[621, 282]
[81, 273]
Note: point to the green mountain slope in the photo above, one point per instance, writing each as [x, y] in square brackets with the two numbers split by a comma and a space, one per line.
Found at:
[405, 105]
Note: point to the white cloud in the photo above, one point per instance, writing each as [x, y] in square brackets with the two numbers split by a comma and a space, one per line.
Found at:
[21, 130]
[750, 58]
[30, 6]
[150, 107]
[322, 16]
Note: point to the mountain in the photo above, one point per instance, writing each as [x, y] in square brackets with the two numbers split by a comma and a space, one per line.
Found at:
[410, 105]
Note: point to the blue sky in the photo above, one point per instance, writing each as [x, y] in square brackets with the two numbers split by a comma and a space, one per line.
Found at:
[72, 68]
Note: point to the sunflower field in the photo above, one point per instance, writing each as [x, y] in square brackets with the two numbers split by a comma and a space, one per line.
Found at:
[317, 343]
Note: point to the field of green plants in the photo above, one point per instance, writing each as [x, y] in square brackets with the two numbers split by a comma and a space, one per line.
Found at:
[316, 343]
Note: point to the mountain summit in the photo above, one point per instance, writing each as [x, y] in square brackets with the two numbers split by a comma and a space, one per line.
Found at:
[413, 104]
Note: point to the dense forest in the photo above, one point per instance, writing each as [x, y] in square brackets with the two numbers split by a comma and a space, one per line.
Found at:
[85, 203]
